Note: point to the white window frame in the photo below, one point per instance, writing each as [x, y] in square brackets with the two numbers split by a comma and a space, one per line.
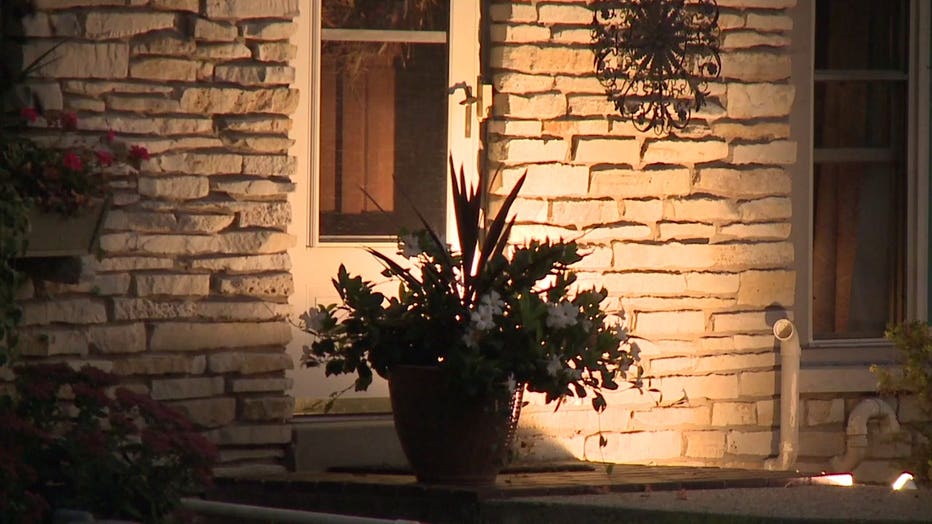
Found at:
[466, 27]
[860, 351]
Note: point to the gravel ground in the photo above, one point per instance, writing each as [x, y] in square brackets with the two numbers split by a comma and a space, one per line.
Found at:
[858, 503]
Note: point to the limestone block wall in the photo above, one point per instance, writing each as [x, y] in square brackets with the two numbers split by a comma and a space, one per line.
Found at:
[188, 299]
[822, 435]
[688, 231]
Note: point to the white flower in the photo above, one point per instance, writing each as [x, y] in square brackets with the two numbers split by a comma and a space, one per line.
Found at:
[562, 315]
[469, 338]
[314, 319]
[494, 301]
[481, 318]
[409, 245]
[511, 383]
[555, 366]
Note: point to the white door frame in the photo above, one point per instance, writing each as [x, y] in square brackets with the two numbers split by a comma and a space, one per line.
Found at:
[314, 262]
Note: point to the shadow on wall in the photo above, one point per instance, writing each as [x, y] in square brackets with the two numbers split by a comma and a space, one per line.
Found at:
[772, 314]
[576, 432]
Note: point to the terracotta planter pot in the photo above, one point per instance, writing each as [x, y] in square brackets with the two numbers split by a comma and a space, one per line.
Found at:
[446, 438]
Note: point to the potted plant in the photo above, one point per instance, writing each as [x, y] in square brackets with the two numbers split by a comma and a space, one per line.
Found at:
[59, 177]
[55, 194]
[62, 178]
[468, 330]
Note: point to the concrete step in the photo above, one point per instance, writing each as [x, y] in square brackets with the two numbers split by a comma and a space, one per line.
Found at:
[516, 497]
[323, 442]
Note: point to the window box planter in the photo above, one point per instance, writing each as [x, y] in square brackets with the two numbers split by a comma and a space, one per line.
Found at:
[54, 235]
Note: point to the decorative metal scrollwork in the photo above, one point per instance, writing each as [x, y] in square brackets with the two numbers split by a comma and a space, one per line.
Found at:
[656, 57]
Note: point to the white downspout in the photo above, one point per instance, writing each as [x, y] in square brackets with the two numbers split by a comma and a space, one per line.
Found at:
[857, 432]
[790, 352]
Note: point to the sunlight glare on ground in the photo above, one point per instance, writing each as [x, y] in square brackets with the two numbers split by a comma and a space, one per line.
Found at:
[835, 479]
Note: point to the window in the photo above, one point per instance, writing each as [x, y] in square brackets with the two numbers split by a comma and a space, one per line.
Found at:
[859, 167]
[866, 269]
[382, 119]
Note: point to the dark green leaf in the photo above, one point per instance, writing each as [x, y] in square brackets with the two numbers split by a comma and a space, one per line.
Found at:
[598, 402]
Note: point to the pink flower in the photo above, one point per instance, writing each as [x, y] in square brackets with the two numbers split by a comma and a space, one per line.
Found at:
[29, 113]
[40, 390]
[139, 152]
[111, 136]
[69, 120]
[51, 173]
[104, 158]
[72, 161]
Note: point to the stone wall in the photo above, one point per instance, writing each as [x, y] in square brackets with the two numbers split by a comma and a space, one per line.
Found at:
[188, 299]
[823, 419]
[688, 231]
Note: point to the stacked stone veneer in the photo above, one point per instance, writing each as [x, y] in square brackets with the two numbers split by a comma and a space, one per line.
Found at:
[688, 231]
[188, 300]
[823, 420]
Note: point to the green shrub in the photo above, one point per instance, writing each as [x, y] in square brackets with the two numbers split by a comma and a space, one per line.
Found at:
[914, 342]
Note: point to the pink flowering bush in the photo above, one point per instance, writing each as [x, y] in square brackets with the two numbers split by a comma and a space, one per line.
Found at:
[60, 176]
[70, 441]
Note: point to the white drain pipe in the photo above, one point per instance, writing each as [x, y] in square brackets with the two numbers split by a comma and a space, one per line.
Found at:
[277, 515]
[856, 443]
[790, 352]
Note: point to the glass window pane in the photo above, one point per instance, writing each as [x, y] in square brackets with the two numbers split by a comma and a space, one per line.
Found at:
[858, 249]
[861, 34]
[859, 114]
[382, 138]
[410, 15]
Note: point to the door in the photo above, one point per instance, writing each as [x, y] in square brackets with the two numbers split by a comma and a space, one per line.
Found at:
[391, 93]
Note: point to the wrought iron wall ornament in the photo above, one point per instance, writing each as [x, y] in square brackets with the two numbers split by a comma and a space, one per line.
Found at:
[656, 57]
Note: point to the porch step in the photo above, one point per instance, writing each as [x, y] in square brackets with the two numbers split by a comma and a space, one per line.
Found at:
[401, 497]
[320, 443]
[368, 443]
